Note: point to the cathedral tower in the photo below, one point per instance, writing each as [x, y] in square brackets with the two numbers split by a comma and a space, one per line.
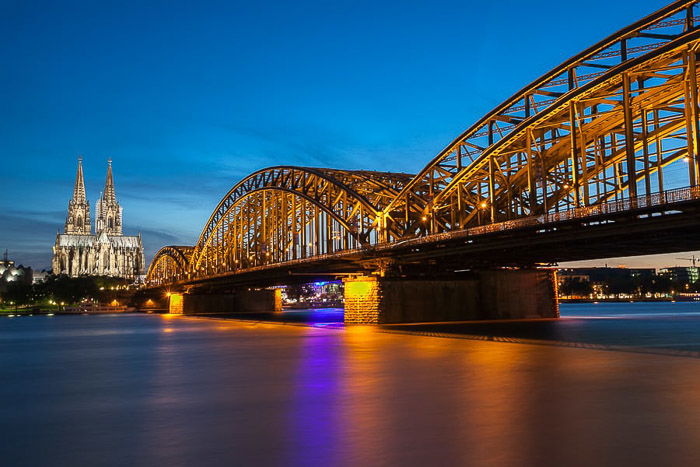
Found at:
[106, 252]
[78, 219]
[109, 213]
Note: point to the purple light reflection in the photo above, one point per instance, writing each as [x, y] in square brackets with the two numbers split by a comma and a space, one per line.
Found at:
[315, 419]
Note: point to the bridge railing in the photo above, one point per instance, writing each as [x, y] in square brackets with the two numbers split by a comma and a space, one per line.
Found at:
[658, 199]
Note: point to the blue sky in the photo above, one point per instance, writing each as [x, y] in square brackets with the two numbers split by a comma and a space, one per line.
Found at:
[189, 97]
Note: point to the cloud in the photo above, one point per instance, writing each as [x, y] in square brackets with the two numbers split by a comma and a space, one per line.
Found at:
[36, 260]
[26, 232]
[154, 240]
[29, 238]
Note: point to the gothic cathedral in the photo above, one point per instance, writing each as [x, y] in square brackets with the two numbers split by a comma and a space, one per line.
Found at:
[106, 252]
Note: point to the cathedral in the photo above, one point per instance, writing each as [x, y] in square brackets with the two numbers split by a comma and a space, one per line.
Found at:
[107, 252]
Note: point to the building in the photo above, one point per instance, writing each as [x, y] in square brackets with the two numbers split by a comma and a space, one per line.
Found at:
[39, 276]
[107, 252]
[11, 273]
[683, 275]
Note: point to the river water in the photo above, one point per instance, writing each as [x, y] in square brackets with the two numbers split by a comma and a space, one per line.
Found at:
[609, 384]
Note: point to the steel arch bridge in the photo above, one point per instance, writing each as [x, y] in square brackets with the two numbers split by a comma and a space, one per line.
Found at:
[615, 127]
[170, 264]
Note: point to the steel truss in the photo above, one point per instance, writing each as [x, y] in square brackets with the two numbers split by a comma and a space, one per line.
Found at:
[170, 264]
[286, 213]
[571, 137]
[618, 123]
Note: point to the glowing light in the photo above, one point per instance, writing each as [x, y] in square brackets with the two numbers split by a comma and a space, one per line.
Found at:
[566, 186]
[358, 289]
[176, 304]
[424, 218]
[483, 205]
[686, 159]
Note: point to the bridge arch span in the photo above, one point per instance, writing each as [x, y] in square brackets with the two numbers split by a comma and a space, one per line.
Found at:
[170, 264]
[422, 206]
[284, 213]
[619, 122]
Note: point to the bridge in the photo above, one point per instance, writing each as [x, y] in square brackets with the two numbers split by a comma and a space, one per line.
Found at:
[598, 157]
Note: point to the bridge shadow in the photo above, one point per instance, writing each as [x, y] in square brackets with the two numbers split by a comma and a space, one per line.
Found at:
[646, 328]
[658, 328]
[310, 316]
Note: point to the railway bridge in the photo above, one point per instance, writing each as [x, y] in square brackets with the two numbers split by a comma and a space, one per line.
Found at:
[598, 157]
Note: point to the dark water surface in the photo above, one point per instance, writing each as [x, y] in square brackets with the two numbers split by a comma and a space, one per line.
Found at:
[158, 390]
[653, 327]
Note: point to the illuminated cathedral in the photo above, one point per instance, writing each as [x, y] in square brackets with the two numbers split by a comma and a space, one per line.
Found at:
[107, 252]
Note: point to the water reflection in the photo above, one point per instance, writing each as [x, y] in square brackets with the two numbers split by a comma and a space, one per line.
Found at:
[150, 390]
[316, 395]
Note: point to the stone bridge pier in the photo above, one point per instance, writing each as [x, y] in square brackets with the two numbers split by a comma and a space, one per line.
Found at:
[484, 295]
[236, 301]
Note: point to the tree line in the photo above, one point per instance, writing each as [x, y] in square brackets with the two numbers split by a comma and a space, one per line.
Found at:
[62, 290]
[638, 286]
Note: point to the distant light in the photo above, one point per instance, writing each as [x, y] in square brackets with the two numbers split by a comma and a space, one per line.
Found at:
[686, 159]
[424, 218]
[483, 205]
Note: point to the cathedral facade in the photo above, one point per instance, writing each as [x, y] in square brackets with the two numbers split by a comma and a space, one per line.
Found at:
[107, 252]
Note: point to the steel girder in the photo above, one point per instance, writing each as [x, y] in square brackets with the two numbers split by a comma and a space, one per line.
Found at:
[612, 139]
[170, 264]
[284, 213]
[470, 161]
[617, 122]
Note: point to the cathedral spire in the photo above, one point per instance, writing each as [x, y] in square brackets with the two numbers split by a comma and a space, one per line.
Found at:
[109, 194]
[109, 213]
[78, 218]
[79, 188]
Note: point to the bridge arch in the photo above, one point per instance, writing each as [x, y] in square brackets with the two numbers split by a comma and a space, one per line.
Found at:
[170, 264]
[286, 213]
[617, 122]
[461, 186]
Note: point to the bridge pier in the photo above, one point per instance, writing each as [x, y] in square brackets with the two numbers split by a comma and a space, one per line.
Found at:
[238, 301]
[489, 294]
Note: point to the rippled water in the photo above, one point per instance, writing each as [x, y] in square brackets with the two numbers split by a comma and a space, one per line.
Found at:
[156, 390]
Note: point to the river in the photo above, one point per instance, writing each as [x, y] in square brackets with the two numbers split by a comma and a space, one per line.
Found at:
[608, 384]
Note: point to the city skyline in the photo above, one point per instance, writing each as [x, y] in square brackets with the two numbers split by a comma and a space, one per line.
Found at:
[230, 93]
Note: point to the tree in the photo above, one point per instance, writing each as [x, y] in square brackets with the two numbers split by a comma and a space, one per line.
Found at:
[621, 284]
[65, 289]
[19, 293]
[575, 286]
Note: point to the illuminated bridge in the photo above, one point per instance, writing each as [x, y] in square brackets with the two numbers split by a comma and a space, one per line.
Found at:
[599, 157]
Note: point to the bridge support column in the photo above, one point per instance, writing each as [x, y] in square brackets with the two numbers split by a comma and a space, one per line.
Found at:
[491, 294]
[239, 301]
[175, 303]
